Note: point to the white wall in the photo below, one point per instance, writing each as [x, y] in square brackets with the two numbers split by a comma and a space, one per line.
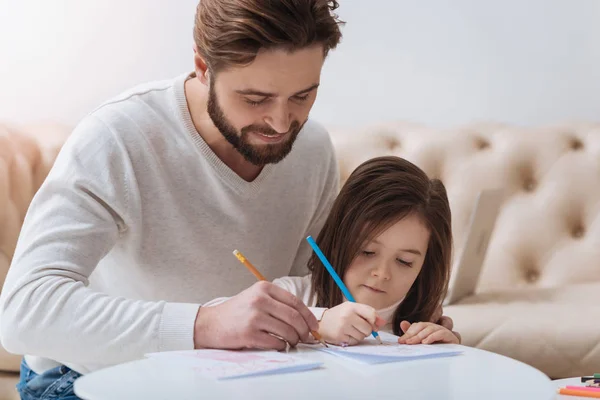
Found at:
[446, 62]
[439, 62]
[61, 58]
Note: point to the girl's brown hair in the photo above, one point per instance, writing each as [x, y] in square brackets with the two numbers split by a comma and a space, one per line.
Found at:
[377, 194]
[230, 32]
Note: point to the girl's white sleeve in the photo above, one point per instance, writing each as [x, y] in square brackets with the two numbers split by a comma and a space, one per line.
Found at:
[300, 287]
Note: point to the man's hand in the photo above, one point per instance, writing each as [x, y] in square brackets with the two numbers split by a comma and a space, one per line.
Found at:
[263, 316]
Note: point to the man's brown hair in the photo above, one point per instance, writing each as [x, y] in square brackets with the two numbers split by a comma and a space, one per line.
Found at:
[377, 194]
[230, 32]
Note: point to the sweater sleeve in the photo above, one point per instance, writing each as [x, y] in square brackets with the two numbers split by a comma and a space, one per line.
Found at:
[74, 220]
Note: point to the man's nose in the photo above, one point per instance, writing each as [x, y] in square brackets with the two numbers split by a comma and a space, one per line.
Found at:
[279, 118]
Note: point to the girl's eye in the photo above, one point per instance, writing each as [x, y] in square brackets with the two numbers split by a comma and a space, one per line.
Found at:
[368, 253]
[406, 263]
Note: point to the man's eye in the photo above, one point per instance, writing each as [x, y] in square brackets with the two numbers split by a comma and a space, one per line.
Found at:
[301, 98]
[254, 102]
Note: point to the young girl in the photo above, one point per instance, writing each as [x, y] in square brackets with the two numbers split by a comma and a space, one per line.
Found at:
[389, 238]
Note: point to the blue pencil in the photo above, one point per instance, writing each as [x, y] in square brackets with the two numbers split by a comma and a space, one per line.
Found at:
[335, 276]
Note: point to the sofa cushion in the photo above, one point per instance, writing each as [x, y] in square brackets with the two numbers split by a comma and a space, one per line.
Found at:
[555, 330]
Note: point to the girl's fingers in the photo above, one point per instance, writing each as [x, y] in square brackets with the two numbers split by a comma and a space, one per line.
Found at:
[404, 326]
[355, 335]
[441, 336]
[361, 325]
[366, 312]
[352, 341]
[428, 330]
[437, 336]
[412, 330]
[457, 336]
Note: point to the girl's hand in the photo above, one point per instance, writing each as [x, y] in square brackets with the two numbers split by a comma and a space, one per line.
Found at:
[349, 323]
[439, 318]
[426, 333]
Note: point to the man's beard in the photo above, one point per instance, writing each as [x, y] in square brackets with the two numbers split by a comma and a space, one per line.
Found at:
[257, 155]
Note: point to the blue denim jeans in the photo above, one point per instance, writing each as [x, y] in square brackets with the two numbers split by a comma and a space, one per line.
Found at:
[55, 384]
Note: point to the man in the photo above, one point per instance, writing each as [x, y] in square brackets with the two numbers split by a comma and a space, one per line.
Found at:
[134, 228]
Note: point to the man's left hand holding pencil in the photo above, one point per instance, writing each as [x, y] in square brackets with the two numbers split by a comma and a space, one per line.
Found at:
[261, 278]
[264, 316]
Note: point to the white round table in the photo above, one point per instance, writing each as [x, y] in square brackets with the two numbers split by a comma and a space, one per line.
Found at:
[475, 374]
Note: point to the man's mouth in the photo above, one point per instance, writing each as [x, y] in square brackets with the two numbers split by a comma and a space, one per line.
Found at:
[271, 137]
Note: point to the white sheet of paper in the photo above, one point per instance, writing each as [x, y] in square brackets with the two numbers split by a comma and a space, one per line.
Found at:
[228, 364]
[370, 352]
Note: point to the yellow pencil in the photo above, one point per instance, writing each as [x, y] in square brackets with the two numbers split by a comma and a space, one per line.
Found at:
[260, 277]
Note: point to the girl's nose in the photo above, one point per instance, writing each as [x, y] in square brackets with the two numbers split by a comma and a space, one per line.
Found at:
[381, 271]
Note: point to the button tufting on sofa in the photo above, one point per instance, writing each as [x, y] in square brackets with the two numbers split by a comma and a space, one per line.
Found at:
[529, 184]
[392, 143]
[532, 275]
[481, 143]
[576, 144]
[578, 231]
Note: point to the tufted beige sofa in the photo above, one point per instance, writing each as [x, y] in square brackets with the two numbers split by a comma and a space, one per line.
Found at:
[26, 156]
[538, 298]
[539, 294]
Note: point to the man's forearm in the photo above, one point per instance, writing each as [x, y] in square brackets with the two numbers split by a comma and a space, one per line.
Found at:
[59, 318]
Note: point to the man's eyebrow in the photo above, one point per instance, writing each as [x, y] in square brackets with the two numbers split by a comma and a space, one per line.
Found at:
[255, 92]
[308, 89]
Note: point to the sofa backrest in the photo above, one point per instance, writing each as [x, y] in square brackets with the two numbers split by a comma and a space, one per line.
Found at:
[548, 230]
[26, 156]
[547, 233]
